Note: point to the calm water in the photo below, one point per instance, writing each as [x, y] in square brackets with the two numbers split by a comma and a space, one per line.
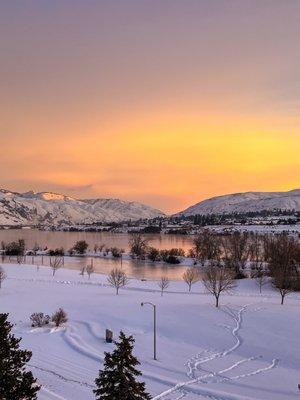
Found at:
[138, 269]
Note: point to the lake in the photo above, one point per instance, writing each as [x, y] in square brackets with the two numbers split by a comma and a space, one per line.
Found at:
[134, 268]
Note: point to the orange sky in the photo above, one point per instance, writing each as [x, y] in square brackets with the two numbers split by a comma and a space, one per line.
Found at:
[166, 103]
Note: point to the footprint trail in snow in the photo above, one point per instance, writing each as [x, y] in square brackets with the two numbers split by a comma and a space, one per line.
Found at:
[194, 364]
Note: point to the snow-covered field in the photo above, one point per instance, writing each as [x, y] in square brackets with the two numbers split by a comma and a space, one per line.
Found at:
[247, 349]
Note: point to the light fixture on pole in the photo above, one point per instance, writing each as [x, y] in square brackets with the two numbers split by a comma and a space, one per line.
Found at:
[154, 326]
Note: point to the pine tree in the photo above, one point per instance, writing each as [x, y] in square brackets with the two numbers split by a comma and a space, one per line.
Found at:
[117, 381]
[15, 382]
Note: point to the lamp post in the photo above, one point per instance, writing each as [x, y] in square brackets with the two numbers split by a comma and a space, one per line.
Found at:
[154, 326]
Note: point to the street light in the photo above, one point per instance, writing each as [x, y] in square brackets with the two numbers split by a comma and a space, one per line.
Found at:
[154, 327]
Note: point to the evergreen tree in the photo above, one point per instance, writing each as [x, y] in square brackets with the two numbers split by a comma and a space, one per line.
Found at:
[117, 381]
[15, 382]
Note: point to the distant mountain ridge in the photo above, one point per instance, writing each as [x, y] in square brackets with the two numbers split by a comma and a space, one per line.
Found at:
[47, 208]
[246, 202]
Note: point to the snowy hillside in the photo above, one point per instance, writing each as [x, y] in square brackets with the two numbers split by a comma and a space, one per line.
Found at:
[50, 208]
[248, 349]
[245, 202]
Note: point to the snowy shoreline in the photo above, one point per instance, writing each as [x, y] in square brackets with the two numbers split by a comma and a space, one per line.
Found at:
[246, 349]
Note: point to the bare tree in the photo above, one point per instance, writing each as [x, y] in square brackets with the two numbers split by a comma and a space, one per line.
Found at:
[163, 284]
[20, 259]
[260, 276]
[267, 241]
[138, 245]
[117, 278]
[218, 279]
[206, 246]
[284, 264]
[90, 270]
[101, 247]
[55, 264]
[2, 276]
[255, 248]
[236, 251]
[191, 276]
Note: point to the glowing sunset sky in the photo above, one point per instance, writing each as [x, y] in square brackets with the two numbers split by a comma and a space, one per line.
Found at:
[165, 102]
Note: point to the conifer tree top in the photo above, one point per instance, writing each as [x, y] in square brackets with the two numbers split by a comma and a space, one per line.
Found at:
[117, 381]
[16, 383]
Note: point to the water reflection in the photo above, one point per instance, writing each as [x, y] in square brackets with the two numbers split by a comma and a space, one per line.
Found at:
[66, 240]
[133, 268]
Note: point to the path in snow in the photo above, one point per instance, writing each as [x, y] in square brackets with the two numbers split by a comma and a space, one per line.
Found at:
[194, 365]
[61, 377]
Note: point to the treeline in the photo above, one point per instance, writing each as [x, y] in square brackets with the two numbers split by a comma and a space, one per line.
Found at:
[288, 217]
[273, 256]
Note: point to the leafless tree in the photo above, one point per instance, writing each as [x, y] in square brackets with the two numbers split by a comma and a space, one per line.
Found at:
[163, 284]
[267, 241]
[55, 263]
[101, 247]
[2, 276]
[218, 279]
[236, 251]
[117, 278]
[191, 276]
[82, 271]
[20, 259]
[138, 245]
[260, 276]
[283, 264]
[255, 248]
[90, 270]
[206, 246]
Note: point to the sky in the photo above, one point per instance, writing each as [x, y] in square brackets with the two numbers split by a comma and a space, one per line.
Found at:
[164, 102]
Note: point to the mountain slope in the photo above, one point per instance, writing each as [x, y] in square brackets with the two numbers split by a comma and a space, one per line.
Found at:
[245, 202]
[48, 208]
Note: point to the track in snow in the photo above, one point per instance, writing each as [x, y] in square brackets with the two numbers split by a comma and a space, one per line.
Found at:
[181, 390]
[61, 377]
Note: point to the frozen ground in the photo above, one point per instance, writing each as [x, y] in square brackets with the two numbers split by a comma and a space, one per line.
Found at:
[247, 349]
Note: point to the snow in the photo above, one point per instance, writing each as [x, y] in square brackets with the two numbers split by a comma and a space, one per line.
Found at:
[246, 202]
[51, 208]
[248, 349]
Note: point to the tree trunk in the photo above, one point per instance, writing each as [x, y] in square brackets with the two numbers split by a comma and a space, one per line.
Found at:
[217, 301]
[282, 299]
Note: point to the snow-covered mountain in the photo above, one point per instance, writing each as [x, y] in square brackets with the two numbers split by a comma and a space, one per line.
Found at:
[48, 208]
[245, 202]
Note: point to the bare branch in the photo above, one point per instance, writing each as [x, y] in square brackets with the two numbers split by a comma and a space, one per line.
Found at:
[191, 276]
[218, 279]
[117, 278]
[56, 263]
[163, 284]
